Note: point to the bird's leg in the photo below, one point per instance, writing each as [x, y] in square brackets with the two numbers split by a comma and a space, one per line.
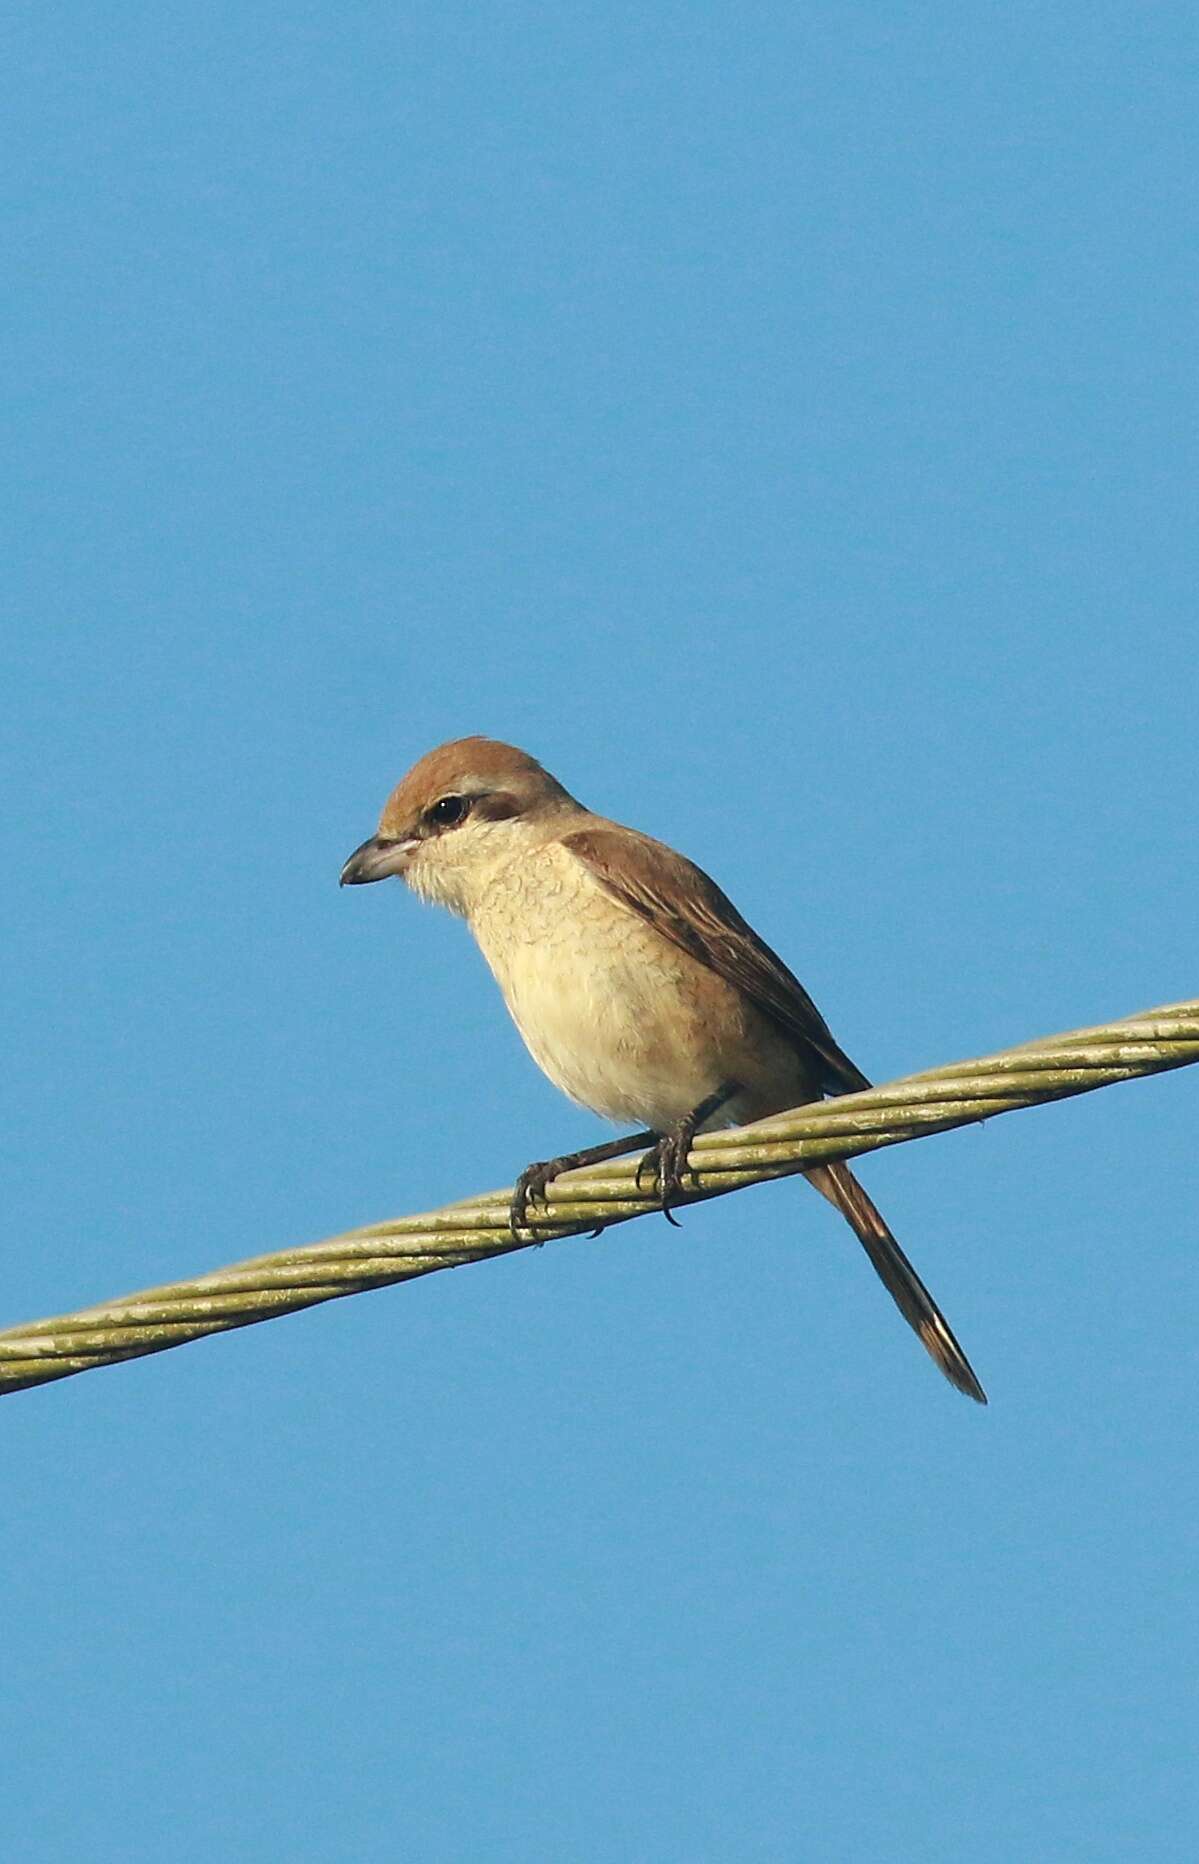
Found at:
[533, 1180]
[667, 1158]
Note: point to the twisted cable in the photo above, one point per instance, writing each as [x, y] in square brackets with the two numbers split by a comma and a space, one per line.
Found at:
[476, 1229]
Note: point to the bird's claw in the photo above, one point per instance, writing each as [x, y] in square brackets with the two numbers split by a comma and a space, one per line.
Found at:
[669, 1164]
[528, 1188]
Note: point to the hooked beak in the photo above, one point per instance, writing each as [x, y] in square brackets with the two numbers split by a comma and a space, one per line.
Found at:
[375, 860]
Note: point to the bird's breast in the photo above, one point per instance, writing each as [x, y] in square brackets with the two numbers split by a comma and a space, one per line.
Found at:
[617, 1017]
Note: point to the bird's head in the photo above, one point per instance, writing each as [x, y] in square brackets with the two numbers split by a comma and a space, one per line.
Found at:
[463, 810]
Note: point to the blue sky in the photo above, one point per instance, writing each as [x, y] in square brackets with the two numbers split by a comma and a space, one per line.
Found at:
[782, 422]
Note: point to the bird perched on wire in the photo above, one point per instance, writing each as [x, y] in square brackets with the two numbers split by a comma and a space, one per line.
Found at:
[636, 984]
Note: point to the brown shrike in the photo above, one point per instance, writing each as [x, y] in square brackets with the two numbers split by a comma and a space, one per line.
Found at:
[638, 987]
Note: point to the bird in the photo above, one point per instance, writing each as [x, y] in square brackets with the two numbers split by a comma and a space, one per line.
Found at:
[635, 983]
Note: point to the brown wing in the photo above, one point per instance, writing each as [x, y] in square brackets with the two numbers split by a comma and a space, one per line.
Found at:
[680, 901]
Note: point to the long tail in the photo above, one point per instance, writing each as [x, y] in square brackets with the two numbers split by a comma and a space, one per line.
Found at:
[899, 1278]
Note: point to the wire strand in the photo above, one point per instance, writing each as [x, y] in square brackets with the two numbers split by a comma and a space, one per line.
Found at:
[475, 1230]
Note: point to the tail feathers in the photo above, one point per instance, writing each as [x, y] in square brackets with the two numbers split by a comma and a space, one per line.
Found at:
[899, 1278]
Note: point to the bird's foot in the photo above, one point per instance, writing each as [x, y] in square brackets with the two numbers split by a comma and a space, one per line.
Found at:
[531, 1186]
[667, 1163]
[532, 1182]
[669, 1159]
[528, 1189]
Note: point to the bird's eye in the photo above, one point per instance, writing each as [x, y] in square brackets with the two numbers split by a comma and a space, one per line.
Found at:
[448, 811]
